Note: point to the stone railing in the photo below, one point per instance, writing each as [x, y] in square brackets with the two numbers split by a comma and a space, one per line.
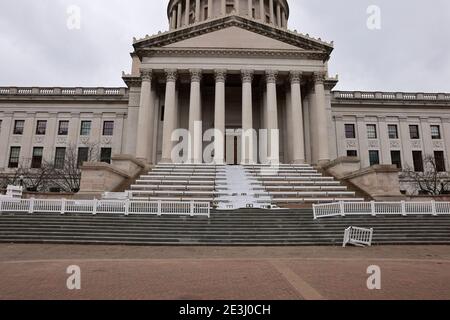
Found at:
[399, 96]
[35, 91]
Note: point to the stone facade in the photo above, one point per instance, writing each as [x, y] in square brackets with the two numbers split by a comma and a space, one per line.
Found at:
[233, 66]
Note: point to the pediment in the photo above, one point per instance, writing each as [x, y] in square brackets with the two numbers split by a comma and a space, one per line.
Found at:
[233, 32]
[233, 38]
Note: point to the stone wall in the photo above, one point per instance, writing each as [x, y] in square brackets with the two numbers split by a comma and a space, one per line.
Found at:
[97, 177]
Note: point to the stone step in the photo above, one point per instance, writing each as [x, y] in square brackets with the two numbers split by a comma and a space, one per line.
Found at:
[221, 229]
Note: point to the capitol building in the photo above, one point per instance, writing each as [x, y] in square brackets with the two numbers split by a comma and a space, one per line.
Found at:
[235, 67]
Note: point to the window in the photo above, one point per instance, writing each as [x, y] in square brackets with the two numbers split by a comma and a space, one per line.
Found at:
[418, 161]
[440, 161]
[374, 157]
[63, 129]
[414, 132]
[393, 131]
[14, 156]
[396, 159]
[105, 155]
[83, 156]
[350, 132]
[36, 160]
[436, 133]
[108, 128]
[352, 153]
[60, 158]
[41, 127]
[19, 126]
[372, 131]
[85, 129]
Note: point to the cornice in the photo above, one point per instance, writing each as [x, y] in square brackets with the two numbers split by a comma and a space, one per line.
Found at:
[238, 53]
[132, 81]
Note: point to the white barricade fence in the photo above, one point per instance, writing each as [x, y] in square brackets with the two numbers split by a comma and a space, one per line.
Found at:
[13, 192]
[358, 236]
[112, 207]
[374, 208]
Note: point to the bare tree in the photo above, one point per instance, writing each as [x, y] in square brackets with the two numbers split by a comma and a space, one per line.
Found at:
[432, 181]
[32, 179]
[67, 175]
[14, 178]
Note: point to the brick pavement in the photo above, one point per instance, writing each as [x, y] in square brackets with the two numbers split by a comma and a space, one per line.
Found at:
[118, 272]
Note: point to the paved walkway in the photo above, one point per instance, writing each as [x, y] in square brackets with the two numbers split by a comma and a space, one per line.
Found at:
[117, 272]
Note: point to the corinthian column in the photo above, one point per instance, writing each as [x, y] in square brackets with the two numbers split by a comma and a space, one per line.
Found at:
[278, 15]
[146, 118]
[186, 12]
[197, 11]
[322, 119]
[195, 119]
[236, 6]
[223, 7]
[273, 147]
[219, 118]
[179, 15]
[170, 116]
[210, 9]
[296, 111]
[272, 13]
[247, 118]
[262, 11]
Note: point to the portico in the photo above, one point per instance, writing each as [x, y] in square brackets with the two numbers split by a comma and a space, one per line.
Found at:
[248, 102]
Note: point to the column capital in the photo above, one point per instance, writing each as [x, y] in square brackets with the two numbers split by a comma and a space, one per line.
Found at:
[295, 77]
[196, 75]
[247, 75]
[220, 75]
[146, 74]
[171, 75]
[271, 76]
[319, 77]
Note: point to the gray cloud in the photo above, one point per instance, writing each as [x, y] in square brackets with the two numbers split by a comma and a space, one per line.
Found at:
[410, 53]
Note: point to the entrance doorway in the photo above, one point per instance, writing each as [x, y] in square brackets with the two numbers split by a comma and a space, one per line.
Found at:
[233, 147]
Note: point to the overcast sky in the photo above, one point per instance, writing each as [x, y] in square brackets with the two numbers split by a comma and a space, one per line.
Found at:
[411, 51]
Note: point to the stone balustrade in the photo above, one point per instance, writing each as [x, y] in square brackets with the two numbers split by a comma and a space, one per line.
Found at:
[400, 96]
[36, 91]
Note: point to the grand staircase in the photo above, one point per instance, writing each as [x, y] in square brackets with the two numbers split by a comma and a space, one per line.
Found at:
[248, 227]
[234, 187]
